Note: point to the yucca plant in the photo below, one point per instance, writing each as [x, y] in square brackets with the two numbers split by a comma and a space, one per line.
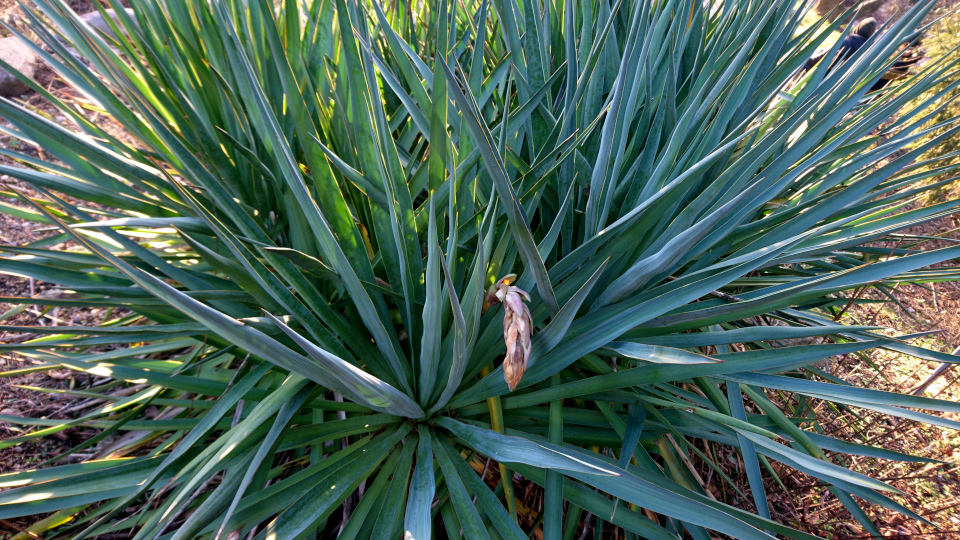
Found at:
[352, 254]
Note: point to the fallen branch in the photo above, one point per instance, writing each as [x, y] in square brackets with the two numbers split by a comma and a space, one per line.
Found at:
[944, 367]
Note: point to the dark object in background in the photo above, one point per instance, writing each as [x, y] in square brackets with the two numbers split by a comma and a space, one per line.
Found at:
[910, 56]
[857, 37]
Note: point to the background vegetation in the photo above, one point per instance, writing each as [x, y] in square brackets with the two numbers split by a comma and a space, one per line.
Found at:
[942, 41]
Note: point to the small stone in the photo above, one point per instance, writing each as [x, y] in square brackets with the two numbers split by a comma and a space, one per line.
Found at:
[10, 412]
[20, 57]
[96, 20]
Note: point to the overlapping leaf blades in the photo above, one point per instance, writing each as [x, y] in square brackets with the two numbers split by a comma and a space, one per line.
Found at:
[363, 172]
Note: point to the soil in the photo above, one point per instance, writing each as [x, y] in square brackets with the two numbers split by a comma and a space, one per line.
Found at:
[931, 490]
